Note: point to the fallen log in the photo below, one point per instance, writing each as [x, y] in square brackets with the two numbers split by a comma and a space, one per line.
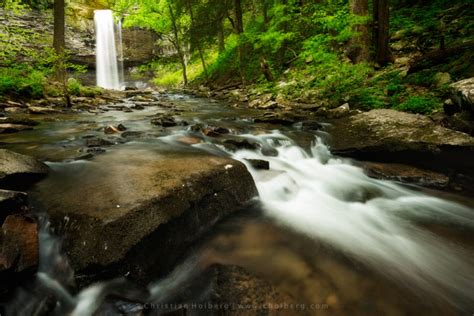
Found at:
[438, 56]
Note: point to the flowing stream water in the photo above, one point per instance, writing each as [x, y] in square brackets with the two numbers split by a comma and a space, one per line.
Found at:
[323, 231]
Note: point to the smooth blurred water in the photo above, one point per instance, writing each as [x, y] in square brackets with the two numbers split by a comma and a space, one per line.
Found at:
[378, 222]
[106, 52]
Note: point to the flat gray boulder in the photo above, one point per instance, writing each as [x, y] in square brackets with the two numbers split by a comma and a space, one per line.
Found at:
[393, 136]
[133, 210]
[19, 171]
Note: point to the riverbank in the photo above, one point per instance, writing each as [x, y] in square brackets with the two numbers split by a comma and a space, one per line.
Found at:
[383, 136]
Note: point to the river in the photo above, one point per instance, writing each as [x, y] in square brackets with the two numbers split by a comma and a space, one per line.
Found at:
[322, 230]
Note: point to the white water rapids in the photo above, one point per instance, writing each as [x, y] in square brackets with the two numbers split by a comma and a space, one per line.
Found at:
[327, 198]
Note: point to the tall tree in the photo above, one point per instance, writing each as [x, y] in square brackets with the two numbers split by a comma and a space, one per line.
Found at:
[239, 29]
[381, 31]
[239, 24]
[59, 44]
[59, 41]
[359, 46]
[177, 42]
[195, 38]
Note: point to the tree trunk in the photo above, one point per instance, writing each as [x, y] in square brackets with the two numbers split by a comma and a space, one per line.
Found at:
[381, 31]
[239, 29]
[183, 66]
[220, 35]
[266, 18]
[267, 72]
[437, 57]
[197, 40]
[239, 24]
[59, 43]
[359, 45]
[177, 44]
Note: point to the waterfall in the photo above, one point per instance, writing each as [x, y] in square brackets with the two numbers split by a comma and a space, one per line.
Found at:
[106, 54]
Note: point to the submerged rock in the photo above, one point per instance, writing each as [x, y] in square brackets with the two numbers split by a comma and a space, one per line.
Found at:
[12, 202]
[240, 143]
[259, 164]
[407, 174]
[164, 120]
[311, 125]
[7, 128]
[135, 212]
[19, 171]
[129, 134]
[42, 110]
[214, 131]
[97, 142]
[20, 121]
[111, 130]
[189, 140]
[121, 127]
[232, 290]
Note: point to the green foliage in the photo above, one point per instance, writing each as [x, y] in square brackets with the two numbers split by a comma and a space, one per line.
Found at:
[302, 46]
[226, 62]
[74, 87]
[423, 78]
[23, 68]
[419, 104]
[22, 81]
[87, 91]
[368, 98]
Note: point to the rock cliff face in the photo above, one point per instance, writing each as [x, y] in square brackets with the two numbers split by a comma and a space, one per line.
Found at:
[138, 45]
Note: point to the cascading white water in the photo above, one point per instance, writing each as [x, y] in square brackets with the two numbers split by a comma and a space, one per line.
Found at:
[329, 199]
[107, 71]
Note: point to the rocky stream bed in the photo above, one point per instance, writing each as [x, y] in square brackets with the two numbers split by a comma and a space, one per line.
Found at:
[181, 204]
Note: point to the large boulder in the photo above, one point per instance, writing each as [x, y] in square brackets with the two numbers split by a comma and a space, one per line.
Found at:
[134, 211]
[463, 94]
[19, 171]
[392, 136]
